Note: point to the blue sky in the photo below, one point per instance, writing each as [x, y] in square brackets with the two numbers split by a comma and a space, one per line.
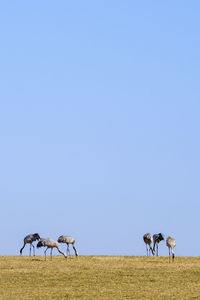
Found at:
[99, 123]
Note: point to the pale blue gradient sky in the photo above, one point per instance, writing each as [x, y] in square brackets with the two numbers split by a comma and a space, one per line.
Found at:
[99, 123]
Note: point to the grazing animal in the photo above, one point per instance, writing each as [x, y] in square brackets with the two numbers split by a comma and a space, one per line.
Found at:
[29, 239]
[68, 240]
[148, 239]
[157, 238]
[171, 243]
[49, 243]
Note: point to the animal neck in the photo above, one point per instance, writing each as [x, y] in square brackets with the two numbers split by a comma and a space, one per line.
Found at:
[154, 245]
[152, 250]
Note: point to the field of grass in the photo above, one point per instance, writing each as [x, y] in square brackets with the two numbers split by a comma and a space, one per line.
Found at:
[99, 277]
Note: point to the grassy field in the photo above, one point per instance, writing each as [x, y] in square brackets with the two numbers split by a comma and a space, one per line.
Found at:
[99, 277]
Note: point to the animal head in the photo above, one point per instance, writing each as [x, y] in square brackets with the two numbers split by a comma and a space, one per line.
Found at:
[161, 237]
[40, 244]
[61, 239]
[37, 237]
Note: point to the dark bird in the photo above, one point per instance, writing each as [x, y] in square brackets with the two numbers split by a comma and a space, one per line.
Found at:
[29, 239]
[157, 238]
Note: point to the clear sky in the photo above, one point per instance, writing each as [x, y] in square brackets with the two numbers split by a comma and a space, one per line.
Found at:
[100, 123]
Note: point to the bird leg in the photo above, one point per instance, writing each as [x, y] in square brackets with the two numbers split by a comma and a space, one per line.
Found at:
[173, 256]
[147, 249]
[68, 249]
[33, 249]
[45, 253]
[76, 252]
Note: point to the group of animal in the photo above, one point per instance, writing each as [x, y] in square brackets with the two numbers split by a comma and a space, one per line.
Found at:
[156, 239]
[49, 243]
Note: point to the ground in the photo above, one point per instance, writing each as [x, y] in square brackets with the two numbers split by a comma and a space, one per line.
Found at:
[99, 277]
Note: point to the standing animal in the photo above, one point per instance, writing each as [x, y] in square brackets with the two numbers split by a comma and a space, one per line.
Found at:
[157, 238]
[148, 239]
[49, 243]
[171, 243]
[68, 240]
[29, 239]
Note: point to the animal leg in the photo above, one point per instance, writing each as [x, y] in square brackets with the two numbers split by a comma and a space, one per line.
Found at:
[51, 253]
[33, 249]
[45, 253]
[68, 249]
[173, 255]
[76, 252]
[30, 250]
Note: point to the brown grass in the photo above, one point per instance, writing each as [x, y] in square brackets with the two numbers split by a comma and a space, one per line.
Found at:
[99, 277]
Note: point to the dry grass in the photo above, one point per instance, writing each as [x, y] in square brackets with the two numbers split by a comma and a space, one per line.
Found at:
[99, 277]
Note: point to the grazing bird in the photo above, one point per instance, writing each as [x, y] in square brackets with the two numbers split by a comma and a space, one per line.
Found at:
[29, 239]
[148, 239]
[157, 238]
[171, 243]
[68, 240]
[49, 243]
